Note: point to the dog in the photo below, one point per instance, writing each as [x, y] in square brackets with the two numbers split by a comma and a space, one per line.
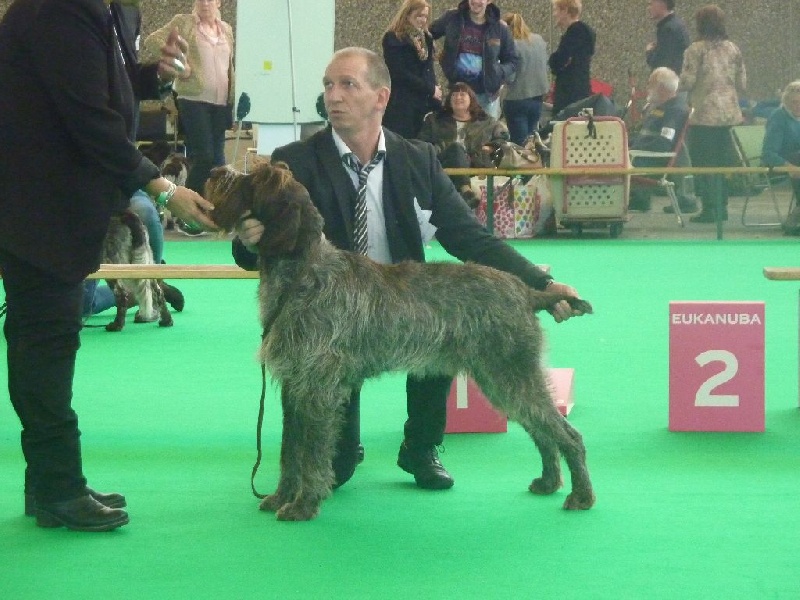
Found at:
[333, 318]
[127, 242]
[174, 166]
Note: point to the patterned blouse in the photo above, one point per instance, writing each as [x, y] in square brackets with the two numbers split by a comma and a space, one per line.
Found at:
[714, 75]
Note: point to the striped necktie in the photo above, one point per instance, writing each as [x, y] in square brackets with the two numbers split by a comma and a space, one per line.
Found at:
[360, 238]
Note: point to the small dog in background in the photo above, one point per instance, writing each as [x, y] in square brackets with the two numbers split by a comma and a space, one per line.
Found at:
[333, 319]
[127, 242]
[174, 166]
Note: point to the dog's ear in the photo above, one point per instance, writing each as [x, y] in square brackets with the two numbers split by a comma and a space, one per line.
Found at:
[291, 222]
[231, 193]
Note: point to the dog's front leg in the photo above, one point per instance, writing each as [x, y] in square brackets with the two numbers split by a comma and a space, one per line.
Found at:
[316, 425]
[291, 456]
[121, 301]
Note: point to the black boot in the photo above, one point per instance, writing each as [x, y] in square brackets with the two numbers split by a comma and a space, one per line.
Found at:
[112, 500]
[81, 514]
[424, 464]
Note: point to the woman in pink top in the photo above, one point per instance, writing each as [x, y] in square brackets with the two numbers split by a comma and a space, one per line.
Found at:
[205, 88]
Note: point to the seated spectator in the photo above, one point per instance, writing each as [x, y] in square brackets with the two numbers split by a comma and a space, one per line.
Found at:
[459, 131]
[782, 145]
[664, 119]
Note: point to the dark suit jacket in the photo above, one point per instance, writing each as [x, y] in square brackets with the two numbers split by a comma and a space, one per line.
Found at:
[66, 115]
[411, 171]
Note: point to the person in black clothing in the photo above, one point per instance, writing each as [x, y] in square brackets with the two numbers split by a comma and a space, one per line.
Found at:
[409, 54]
[66, 106]
[572, 60]
[672, 36]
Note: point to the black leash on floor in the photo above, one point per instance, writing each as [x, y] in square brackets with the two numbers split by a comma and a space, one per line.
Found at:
[267, 328]
[258, 432]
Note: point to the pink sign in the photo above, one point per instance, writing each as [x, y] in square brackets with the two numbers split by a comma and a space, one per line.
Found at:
[468, 410]
[716, 366]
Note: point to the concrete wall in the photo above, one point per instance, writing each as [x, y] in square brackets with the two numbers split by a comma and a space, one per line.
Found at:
[767, 31]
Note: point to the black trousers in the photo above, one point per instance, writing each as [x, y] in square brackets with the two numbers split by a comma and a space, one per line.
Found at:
[42, 329]
[710, 147]
[426, 403]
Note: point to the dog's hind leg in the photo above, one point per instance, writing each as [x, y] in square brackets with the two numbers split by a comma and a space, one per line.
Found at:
[121, 300]
[165, 319]
[528, 401]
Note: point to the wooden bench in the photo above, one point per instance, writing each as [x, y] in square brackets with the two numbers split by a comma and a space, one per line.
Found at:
[782, 273]
[108, 271]
[785, 274]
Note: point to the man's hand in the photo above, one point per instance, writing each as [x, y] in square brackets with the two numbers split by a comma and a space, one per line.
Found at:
[173, 61]
[249, 231]
[563, 311]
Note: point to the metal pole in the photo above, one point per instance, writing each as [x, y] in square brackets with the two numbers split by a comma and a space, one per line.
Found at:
[295, 110]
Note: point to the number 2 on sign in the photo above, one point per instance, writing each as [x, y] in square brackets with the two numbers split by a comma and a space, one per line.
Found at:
[704, 397]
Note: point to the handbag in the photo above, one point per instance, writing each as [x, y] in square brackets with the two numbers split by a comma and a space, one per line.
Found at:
[508, 155]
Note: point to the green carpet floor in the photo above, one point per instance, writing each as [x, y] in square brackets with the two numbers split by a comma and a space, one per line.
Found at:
[169, 418]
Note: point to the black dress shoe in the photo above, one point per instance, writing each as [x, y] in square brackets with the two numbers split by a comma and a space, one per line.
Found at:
[173, 296]
[425, 466]
[81, 514]
[112, 500]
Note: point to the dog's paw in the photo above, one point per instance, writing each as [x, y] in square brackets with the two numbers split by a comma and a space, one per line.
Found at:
[544, 487]
[580, 305]
[271, 503]
[166, 322]
[114, 326]
[298, 511]
[579, 501]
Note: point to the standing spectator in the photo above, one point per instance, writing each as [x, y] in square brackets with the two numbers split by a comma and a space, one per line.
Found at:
[672, 37]
[478, 50]
[714, 76]
[66, 125]
[459, 132]
[205, 90]
[522, 106]
[572, 60]
[782, 146]
[409, 53]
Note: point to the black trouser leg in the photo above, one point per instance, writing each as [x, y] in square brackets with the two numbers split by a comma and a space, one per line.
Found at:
[42, 333]
[427, 410]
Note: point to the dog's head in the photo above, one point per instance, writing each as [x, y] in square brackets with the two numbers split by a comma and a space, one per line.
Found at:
[175, 168]
[291, 221]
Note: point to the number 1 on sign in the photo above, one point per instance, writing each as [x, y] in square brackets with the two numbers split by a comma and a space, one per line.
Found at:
[704, 397]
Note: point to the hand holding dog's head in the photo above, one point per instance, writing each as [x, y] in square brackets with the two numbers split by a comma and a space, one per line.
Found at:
[270, 194]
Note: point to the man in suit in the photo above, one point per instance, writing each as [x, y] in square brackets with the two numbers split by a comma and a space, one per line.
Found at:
[408, 198]
[66, 124]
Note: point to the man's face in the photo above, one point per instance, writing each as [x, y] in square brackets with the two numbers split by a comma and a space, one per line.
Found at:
[477, 8]
[656, 9]
[351, 103]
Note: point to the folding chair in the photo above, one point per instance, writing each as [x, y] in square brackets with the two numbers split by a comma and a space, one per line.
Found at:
[679, 153]
[748, 141]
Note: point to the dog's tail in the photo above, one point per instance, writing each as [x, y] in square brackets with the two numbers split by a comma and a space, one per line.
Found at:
[547, 300]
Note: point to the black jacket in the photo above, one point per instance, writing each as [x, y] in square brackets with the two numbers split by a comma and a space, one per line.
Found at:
[500, 56]
[571, 64]
[413, 84]
[672, 39]
[411, 172]
[66, 113]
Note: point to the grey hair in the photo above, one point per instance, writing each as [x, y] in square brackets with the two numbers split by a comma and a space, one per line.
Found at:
[791, 89]
[377, 71]
[666, 79]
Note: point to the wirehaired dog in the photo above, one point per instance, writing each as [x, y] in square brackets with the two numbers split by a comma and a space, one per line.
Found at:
[333, 319]
[127, 242]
